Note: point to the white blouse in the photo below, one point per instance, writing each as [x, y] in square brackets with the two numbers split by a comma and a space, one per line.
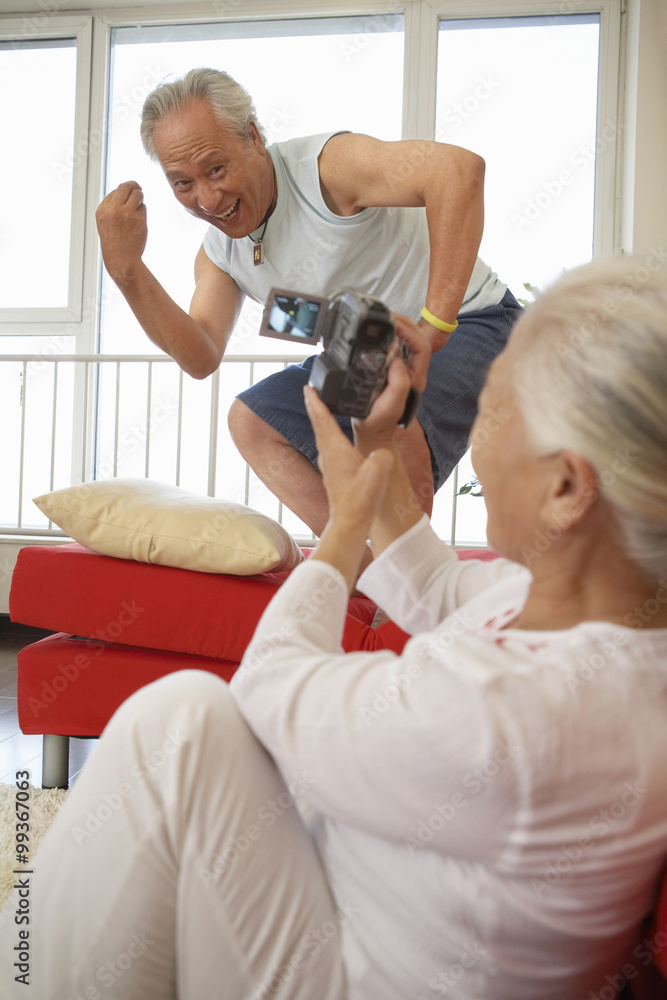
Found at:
[491, 804]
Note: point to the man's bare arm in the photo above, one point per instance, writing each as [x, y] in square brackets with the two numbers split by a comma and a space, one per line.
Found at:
[197, 340]
[357, 171]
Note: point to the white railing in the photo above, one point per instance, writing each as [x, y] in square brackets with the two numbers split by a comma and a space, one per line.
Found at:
[67, 419]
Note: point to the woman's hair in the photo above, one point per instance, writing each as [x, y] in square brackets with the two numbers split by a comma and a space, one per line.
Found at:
[590, 376]
[231, 103]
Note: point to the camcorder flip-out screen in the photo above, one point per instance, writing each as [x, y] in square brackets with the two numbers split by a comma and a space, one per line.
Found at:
[294, 316]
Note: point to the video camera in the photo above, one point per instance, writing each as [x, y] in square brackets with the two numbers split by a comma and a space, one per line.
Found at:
[357, 332]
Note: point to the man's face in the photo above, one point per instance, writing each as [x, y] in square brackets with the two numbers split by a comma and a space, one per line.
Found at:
[217, 176]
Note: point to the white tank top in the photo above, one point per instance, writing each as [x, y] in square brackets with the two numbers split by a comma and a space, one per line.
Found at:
[307, 248]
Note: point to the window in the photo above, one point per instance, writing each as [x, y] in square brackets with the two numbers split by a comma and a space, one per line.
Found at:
[368, 70]
[43, 170]
[288, 67]
[39, 171]
[523, 93]
[535, 95]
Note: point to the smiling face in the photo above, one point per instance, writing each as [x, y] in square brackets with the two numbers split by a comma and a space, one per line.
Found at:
[219, 177]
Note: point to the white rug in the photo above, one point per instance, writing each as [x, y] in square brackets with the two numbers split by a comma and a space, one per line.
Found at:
[44, 804]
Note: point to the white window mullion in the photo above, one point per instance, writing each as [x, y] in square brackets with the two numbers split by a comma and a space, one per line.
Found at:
[80, 157]
[610, 133]
[421, 46]
[98, 133]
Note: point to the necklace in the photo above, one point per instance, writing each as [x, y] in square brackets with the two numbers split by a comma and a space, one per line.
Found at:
[258, 247]
[258, 244]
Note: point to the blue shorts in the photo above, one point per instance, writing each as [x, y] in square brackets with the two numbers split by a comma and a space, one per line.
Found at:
[449, 404]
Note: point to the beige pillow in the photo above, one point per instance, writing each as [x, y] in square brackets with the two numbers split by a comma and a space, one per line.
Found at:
[155, 523]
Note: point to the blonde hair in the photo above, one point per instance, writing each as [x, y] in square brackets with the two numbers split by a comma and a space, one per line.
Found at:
[230, 101]
[591, 377]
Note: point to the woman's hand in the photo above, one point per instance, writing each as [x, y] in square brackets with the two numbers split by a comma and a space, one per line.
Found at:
[359, 481]
[355, 489]
[418, 340]
[378, 429]
[355, 485]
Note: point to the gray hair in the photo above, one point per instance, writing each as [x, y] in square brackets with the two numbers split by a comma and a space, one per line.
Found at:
[590, 376]
[230, 101]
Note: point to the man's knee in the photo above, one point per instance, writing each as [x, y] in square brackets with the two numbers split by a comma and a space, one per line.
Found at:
[240, 421]
[250, 433]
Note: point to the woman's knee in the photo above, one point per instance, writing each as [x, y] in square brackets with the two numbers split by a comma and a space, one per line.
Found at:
[179, 698]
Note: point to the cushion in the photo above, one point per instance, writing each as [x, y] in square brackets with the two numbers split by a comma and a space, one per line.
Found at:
[152, 522]
[68, 588]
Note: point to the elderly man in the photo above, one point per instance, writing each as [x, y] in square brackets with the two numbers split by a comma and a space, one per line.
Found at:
[399, 220]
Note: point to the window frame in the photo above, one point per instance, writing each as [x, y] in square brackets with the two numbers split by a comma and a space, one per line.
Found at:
[44, 27]
[606, 216]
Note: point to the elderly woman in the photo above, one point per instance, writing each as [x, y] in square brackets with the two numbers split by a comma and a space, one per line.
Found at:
[483, 816]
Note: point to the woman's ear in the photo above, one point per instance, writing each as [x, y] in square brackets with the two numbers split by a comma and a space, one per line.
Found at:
[572, 492]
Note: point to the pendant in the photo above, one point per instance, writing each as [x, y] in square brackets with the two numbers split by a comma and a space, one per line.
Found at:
[258, 253]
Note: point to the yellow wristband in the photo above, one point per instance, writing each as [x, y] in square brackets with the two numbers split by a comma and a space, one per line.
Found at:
[439, 324]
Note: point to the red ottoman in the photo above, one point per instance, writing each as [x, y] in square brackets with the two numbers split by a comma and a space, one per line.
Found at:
[122, 624]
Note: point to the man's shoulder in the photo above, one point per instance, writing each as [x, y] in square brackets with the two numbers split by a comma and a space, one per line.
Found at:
[218, 247]
[303, 147]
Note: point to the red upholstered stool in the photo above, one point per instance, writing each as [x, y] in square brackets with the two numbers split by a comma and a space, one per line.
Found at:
[122, 624]
[74, 685]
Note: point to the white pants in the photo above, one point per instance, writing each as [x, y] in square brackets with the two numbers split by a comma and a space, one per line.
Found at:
[179, 866]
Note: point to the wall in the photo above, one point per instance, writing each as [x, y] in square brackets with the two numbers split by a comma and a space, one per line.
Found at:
[9, 550]
[644, 192]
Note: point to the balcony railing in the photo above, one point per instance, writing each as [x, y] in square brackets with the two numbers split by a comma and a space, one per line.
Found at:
[73, 418]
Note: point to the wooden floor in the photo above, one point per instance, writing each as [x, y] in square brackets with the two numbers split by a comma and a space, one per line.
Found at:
[19, 752]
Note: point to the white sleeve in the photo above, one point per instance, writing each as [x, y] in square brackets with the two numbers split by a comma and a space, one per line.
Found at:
[217, 248]
[377, 739]
[418, 579]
